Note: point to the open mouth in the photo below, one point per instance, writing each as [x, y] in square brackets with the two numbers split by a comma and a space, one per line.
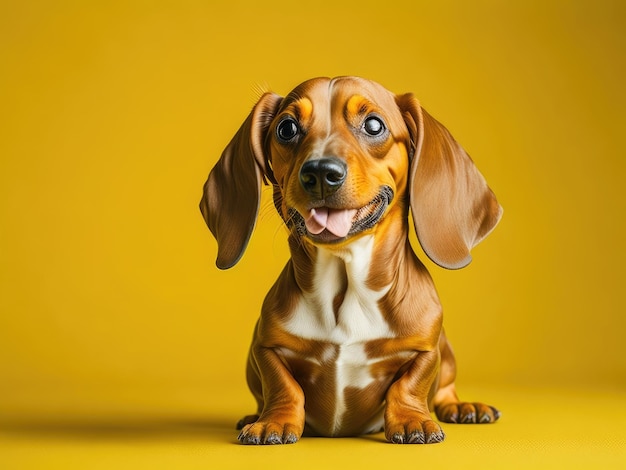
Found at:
[327, 225]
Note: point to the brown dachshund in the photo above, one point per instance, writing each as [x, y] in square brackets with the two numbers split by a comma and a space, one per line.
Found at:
[350, 337]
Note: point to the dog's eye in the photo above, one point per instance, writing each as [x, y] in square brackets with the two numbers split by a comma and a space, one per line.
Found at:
[374, 126]
[287, 129]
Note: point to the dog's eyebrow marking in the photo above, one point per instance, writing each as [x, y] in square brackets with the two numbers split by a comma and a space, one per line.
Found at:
[358, 105]
[302, 108]
[305, 108]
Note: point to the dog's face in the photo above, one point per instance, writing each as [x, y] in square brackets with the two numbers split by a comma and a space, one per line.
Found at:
[344, 155]
[338, 150]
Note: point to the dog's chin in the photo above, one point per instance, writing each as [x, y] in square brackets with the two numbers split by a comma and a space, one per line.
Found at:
[364, 219]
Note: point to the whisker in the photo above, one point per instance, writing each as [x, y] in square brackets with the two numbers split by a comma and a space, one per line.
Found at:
[266, 210]
[259, 89]
[279, 227]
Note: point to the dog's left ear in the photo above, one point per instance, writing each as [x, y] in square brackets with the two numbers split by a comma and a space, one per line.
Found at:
[232, 193]
[453, 208]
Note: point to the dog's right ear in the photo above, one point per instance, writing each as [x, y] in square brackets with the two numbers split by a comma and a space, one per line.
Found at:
[232, 192]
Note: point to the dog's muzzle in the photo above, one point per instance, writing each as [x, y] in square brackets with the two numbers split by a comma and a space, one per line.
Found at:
[330, 225]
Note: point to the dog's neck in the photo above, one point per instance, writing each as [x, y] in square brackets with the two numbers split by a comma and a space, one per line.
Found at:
[372, 260]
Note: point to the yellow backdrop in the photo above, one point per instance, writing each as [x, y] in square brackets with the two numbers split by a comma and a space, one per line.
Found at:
[112, 114]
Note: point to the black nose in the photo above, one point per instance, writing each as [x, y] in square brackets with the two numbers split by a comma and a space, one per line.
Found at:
[323, 176]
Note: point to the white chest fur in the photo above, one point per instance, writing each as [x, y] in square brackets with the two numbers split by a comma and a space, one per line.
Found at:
[345, 328]
[358, 318]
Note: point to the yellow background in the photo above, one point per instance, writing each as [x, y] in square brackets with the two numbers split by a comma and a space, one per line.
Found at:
[121, 343]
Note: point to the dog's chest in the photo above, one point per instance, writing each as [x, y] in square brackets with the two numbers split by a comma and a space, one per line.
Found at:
[341, 316]
[341, 308]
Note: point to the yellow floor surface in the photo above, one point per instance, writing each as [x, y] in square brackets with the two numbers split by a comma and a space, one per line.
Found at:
[540, 428]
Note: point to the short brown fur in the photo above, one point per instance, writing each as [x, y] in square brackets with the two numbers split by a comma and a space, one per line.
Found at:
[408, 367]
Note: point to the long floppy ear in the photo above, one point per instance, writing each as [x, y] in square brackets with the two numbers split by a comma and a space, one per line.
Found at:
[453, 208]
[232, 192]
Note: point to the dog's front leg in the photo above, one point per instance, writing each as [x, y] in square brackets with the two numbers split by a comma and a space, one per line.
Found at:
[282, 418]
[407, 417]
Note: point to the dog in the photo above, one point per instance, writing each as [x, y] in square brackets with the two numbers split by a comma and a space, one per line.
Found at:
[350, 338]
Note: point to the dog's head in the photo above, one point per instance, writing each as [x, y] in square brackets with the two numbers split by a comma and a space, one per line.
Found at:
[342, 155]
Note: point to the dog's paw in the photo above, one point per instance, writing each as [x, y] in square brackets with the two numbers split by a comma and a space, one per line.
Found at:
[414, 431]
[268, 433]
[467, 413]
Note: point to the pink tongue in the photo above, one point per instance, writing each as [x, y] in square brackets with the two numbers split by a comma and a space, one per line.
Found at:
[336, 221]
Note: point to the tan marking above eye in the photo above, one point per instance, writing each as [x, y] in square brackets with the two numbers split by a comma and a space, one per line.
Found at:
[302, 109]
[357, 105]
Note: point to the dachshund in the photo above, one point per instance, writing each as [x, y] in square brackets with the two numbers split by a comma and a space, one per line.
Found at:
[350, 338]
